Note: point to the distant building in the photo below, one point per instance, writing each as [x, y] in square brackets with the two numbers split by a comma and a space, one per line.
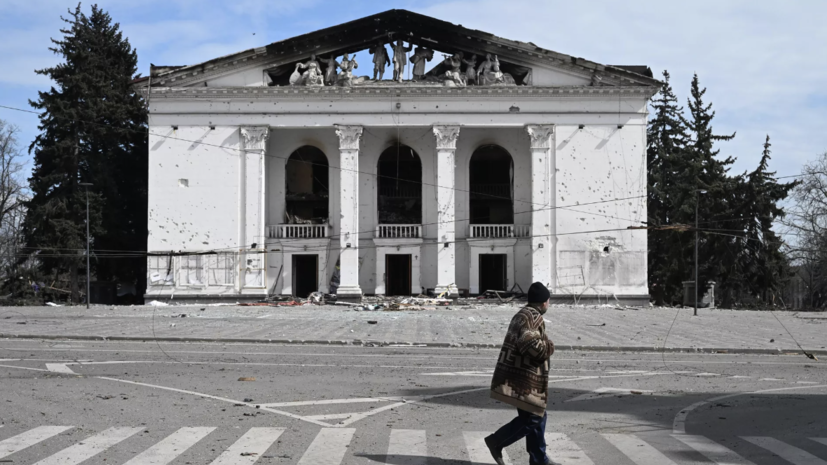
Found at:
[503, 164]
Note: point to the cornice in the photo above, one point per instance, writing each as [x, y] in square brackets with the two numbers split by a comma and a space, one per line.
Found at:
[383, 93]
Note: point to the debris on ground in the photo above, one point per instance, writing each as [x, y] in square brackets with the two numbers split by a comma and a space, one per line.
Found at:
[246, 378]
[156, 303]
[372, 322]
[52, 304]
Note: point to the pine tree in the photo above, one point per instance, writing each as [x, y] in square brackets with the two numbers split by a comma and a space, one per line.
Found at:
[93, 130]
[700, 169]
[763, 265]
[666, 138]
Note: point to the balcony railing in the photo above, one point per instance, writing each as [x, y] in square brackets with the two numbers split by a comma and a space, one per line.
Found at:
[393, 231]
[402, 191]
[491, 191]
[297, 231]
[500, 230]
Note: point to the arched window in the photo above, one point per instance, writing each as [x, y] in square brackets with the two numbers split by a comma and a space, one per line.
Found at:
[399, 186]
[307, 192]
[491, 175]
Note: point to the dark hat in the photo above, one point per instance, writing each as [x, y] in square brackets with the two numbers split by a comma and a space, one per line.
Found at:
[538, 293]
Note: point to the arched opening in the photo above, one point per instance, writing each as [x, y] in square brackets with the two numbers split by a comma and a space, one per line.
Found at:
[491, 175]
[399, 190]
[307, 192]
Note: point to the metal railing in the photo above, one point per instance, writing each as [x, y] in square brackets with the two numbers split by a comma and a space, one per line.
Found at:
[392, 231]
[500, 230]
[297, 231]
[403, 191]
[491, 191]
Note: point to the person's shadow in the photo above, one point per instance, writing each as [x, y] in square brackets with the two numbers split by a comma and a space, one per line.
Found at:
[413, 459]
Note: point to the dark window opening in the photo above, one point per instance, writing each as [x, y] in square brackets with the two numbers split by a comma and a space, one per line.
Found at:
[307, 192]
[399, 186]
[397, 274]
[493, 272]
[305, 275]
[491, 174]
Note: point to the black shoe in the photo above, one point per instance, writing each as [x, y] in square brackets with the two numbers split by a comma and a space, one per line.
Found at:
[552, 462]
[496, 453]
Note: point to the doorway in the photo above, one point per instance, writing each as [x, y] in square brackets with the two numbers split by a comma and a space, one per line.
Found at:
[397, 274]
[305, 275]
[493, 272]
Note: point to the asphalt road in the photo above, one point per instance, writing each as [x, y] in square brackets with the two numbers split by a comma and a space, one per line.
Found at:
[156, 403]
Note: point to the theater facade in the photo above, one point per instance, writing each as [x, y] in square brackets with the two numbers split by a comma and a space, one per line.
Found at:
[449, 160]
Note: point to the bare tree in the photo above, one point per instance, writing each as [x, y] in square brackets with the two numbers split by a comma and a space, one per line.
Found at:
[806, 222]
[12, 197]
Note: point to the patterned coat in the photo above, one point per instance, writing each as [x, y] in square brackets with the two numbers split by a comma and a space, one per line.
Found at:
[521, 376]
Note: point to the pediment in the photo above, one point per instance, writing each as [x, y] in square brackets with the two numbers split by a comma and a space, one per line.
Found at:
[275, 64]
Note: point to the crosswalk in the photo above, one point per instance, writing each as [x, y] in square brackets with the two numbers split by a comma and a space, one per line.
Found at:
[333, 446]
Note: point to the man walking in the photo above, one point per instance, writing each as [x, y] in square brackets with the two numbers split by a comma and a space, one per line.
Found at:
[521, 380]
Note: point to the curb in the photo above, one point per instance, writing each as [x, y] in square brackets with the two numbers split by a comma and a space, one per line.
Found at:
[451, 345]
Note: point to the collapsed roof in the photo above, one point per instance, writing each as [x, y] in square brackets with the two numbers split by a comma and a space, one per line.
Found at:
[351, 37]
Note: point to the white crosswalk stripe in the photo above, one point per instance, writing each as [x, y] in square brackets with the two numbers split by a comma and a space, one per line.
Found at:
[253, 444]
[712, 450]
[407, 447]
[329, 447]
[787, 452]
[562, 449]
[89, 447]
[29, 438]
[478, 452]
[637, 450]
[171, 447]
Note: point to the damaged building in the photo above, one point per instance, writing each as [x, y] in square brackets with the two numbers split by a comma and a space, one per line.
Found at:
[455, 162]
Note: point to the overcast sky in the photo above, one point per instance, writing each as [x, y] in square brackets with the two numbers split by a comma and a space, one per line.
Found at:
[764, 63]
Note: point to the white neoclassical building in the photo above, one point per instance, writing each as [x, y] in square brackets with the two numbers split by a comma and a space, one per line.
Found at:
[288, 169]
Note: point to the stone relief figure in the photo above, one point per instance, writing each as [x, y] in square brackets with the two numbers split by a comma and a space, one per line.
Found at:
[347, 65]
[311, 77]
[419, 58]
[490, 73]
[399, 51]
[470, 71]
[380, 60]
[330, 70]
[454, 79]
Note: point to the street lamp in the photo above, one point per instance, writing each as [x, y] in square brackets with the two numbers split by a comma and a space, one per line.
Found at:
[88, 285]
[698, 193]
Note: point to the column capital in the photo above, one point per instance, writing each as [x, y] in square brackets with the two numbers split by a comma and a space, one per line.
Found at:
[446, 137]
[255, 137]
[349, 137]
[540, 135]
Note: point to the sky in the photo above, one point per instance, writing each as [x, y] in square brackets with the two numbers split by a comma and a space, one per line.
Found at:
[764, 63]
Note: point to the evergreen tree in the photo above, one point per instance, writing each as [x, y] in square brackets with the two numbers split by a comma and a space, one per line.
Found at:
[93, 130]
[666, 138]
[763, 265]
[698, 168]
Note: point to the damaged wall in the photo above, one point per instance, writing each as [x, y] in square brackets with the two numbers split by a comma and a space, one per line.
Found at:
[594, 164]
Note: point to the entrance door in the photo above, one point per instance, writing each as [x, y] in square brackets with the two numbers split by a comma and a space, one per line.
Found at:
[305, 275]
[397, 274]
[493, 272]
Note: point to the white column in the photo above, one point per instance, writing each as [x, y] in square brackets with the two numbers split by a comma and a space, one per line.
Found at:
[349, 137]
[446, 148]
[543, 199]
[251, 221]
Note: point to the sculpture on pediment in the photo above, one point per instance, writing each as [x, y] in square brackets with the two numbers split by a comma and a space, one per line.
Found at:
[345, 78]
[597, 77]
[330, 70]
[454, 76]
[311, 77]
[470, 70]
[380, 60]
[399, 51]
[490, 73]
[421, 56]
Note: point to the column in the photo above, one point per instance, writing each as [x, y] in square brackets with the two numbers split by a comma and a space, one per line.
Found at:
[349, 137]
[251, 220]
[446, 148]
[543, 198]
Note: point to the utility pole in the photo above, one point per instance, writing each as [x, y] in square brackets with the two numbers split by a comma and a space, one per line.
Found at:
[698, 193]
[88, 273]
